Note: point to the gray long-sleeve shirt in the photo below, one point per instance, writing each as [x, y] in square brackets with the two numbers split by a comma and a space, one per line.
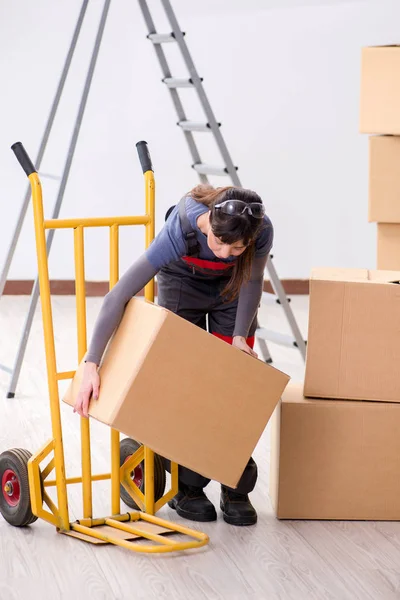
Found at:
[169, 246]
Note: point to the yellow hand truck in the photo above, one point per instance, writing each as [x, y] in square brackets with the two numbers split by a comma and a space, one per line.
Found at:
[137, 475]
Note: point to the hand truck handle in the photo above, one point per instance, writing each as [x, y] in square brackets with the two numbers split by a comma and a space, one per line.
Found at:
[144, 156]
[23, 158]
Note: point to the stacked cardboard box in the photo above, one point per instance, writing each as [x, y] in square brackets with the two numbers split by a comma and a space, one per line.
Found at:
[335, 445]
[335, 451]
[380, 114]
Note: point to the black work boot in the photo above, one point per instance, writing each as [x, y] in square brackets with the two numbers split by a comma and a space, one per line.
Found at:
[237, 508]
[192, 503]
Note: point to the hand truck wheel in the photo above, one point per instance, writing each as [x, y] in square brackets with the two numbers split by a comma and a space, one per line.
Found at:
[15, 501]
[128, 446]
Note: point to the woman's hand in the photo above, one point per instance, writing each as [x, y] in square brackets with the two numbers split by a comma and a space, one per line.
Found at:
[240, 342]
[89, 388]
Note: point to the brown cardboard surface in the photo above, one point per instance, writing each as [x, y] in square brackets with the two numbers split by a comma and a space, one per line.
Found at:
[332, 459]
[128, 350]
[118, 533]
[353, 346]
[380, 90]
[384, 179]
[143, 526]
[388, 246]
[83, 537]
[182, 392]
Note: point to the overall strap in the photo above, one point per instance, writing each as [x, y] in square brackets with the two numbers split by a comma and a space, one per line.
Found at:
[192, 245]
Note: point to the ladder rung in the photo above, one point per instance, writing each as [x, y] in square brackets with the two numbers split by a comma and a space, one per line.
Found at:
[274, 336]
[49, 176]
[175, 82]
[162, 38]
[195, 126]
[210, 170]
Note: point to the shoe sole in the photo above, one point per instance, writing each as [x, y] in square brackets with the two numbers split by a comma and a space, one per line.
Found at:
[240, 522]
[201, 518]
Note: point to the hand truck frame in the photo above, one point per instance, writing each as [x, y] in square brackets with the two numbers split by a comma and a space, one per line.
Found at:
[23, 482]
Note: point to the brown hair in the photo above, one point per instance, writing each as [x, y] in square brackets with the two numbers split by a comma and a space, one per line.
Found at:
[232, 228]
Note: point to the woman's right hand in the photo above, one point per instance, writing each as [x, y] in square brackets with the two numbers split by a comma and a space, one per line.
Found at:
[89, 388]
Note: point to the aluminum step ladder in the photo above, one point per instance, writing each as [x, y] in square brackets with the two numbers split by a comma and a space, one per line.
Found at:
[212, 126]
[188, 127]
[15, 371]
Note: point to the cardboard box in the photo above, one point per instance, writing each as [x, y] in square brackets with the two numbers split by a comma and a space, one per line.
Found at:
[332, 459]
[353, 347]
[384, 180]
[184, 393]
[388, 246]
[380, 90]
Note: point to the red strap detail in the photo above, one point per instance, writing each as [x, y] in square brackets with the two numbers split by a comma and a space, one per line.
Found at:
[250, 341]
[207, 264]
[229, 340]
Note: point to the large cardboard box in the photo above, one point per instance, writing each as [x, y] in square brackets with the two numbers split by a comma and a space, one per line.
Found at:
[384, 180]
[353, 347]
[388, 246]
[332, 459]
[380, 90]
[184, 393]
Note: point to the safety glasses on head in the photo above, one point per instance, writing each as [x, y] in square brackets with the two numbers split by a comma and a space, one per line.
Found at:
[238, 207]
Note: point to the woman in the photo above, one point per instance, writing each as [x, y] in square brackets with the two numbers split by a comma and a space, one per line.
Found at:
[209, 259]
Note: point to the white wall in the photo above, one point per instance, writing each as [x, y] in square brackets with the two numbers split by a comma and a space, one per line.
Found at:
[283, 77]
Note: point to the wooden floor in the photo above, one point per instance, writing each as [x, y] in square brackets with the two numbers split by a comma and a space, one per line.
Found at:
[289, 560]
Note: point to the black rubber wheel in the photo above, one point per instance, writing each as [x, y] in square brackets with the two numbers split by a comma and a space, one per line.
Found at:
[128, 446]
[15, 501]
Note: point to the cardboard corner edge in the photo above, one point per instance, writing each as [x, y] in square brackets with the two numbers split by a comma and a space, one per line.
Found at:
[309, 390]
[68, 396]
[285, 375]
[275, 457]
[164, 313]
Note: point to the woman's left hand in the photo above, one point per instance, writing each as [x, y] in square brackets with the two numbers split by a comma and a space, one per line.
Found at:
[240, 342]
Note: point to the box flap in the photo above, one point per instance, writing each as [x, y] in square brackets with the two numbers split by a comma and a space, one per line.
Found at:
[384, 276]
[366, 48]
[354, 275]
[339, 274]
[294, 394]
